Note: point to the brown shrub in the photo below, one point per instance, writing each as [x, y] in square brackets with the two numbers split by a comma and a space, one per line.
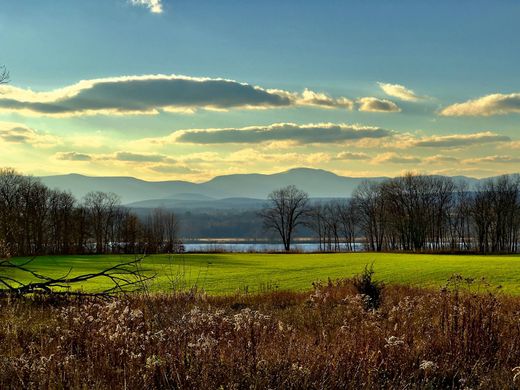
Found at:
[454, 338]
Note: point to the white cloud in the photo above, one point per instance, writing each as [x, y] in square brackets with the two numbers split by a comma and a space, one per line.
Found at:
[495, 104]
[372, 104]
[399, 91]
[155, 6]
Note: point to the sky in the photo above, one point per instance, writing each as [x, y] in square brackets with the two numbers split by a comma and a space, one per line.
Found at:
[189, 90]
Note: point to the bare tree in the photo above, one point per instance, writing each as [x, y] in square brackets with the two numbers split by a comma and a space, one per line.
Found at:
[372, 214]
[286, 210]
[161, 231]
[35, 220]
[496, 214]
[102, 208]
[348, 217]
[61, 222]
[316, 221]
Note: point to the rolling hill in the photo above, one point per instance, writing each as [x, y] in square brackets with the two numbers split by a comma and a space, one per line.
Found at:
[316, 182]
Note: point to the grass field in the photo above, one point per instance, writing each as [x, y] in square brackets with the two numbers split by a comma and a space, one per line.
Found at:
[231, 272]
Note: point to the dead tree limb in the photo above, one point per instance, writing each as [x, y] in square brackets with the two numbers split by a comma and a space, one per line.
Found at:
[125, 277]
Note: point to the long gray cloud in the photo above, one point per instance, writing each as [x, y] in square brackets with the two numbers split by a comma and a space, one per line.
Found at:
[139, 157]
[150, 94]
[309, 133]
[459, 140]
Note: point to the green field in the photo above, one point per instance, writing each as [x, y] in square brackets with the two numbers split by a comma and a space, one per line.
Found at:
[231, 272]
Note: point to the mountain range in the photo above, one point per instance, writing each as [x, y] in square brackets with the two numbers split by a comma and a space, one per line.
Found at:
[243, 190]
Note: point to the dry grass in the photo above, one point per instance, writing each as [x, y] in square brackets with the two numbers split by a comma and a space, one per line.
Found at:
[324, 339]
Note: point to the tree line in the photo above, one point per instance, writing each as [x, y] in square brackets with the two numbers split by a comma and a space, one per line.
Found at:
[410, 213]
[37, 220]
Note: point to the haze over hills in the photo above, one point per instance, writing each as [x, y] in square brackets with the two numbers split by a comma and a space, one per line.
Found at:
[139, 193]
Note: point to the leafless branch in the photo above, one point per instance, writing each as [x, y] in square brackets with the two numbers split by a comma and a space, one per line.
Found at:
[125, 277]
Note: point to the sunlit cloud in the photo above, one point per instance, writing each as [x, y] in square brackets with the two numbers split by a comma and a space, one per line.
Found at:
[73, 156]
[16, 133]
[322, 100]
[372, 104]
[394, 158]
[400, 92]
[495, 104]
[151, 94]
[501, 159]
[140, 157]
[123, 156]
[173, 169]
[351, 156]
[440, 159]
[155, 6]
[460, 140]
[302, 134]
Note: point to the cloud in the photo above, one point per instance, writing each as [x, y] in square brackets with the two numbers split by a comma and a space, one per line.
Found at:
[495, 104]
[372, 104]
[155, 6]
[440, 159]
[21, 134]
[150, 94]
[458, 140]
[302, 134]
[395, 158]
[351, 156]
[322, 100]
[514, 145]
[168, 169]
[73, 156]
[493, 159]
[400, 92]
[122, 156]
[139, 157]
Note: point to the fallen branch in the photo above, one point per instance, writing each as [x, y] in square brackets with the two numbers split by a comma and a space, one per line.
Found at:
[125, 277]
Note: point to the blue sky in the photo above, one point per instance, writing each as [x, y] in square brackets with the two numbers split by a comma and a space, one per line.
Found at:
[450, 71]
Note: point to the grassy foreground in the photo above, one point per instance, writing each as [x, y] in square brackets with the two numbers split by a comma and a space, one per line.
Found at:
[326, 338]
[232, 272]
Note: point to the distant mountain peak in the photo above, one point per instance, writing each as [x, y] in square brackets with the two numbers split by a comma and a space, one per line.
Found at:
[305, 170]
[318, 183]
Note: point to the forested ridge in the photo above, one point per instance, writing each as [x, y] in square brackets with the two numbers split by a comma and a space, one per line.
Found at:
[36, 220]
[411, 213]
